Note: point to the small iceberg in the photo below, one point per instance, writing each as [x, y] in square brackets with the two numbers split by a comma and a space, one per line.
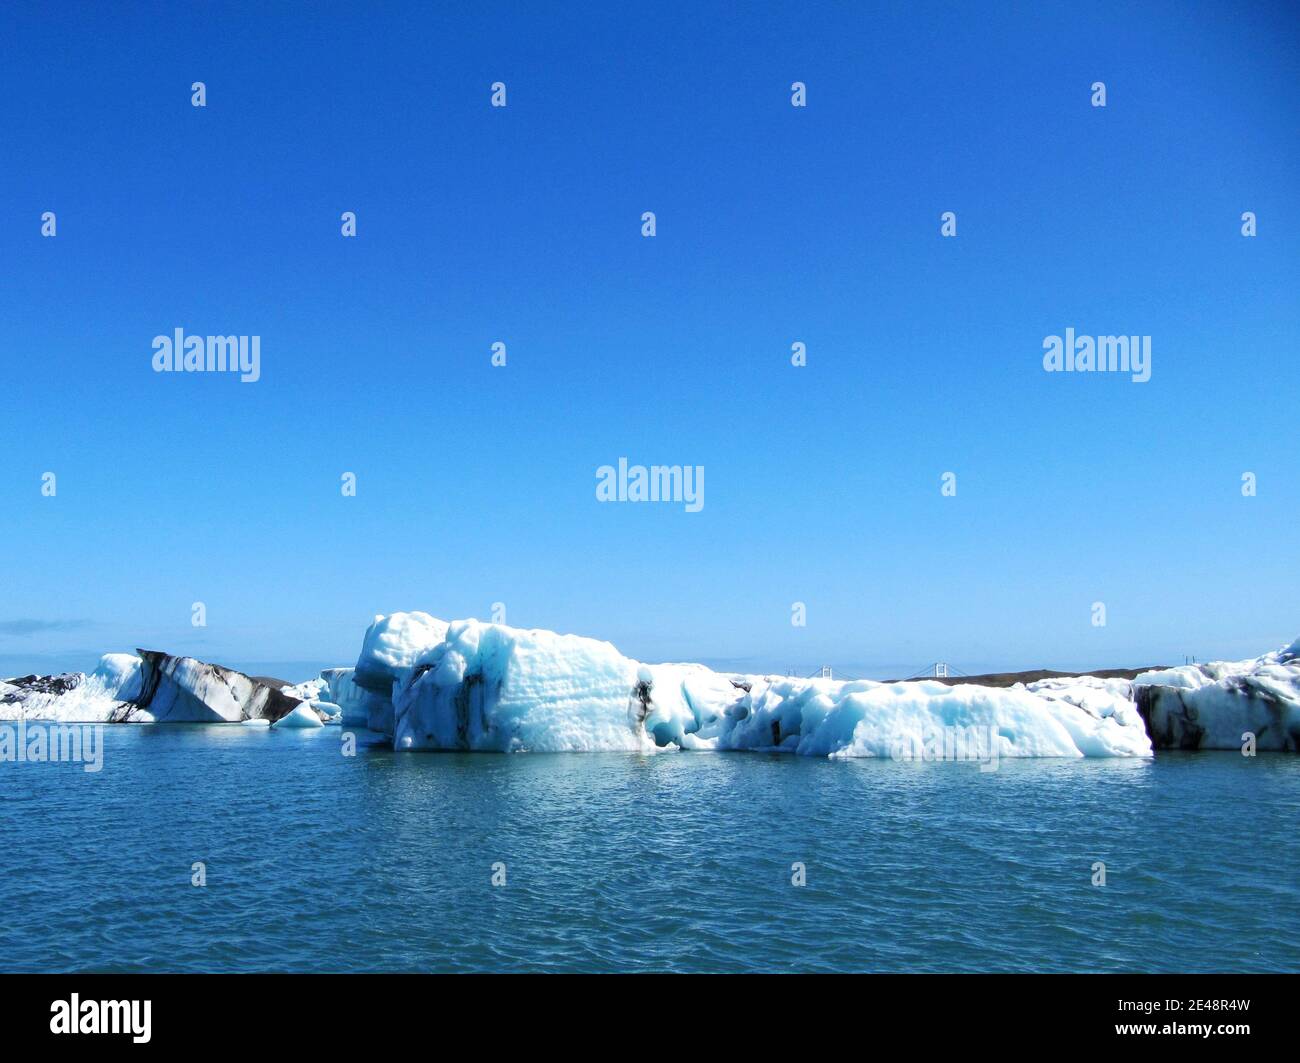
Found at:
[300, 716]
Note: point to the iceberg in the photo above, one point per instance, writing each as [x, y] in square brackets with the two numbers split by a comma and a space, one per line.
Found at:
[300, 716]
[1221, 704]
[148, 688]
[309, 690]
[926, 720]
[186, 690]
[355, 702]
[391, 645]
[492, 687]
[74, 697]
[470, 685]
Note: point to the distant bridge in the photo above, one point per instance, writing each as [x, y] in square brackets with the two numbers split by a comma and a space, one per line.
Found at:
[934, 670]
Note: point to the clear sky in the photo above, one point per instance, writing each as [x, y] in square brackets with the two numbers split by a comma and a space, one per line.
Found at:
[775, 224]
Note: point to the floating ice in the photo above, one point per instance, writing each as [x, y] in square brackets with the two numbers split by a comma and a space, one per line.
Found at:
[478, 686]
[311, 690]
[392, 643]
[356, 703]
[492, 687]
[924, 720]
[150, 688]
[300, 716]
[1220, 704]
[329, 712]
[185, 690]
[75, 697]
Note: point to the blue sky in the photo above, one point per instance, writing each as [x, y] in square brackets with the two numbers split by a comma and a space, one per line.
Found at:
[775, 224]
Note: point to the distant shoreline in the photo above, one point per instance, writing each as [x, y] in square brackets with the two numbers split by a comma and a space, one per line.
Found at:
[1010, 679]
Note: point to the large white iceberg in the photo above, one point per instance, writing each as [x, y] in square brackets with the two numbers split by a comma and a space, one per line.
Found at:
[927, 720]
[391, 645]
[493, 687]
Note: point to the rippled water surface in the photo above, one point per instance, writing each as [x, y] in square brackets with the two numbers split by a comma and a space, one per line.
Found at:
[383, 861]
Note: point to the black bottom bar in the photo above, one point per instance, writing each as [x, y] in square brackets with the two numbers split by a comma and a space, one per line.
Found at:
[338, 1012]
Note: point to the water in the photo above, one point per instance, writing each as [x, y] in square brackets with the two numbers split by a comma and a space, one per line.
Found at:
[681, 862]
